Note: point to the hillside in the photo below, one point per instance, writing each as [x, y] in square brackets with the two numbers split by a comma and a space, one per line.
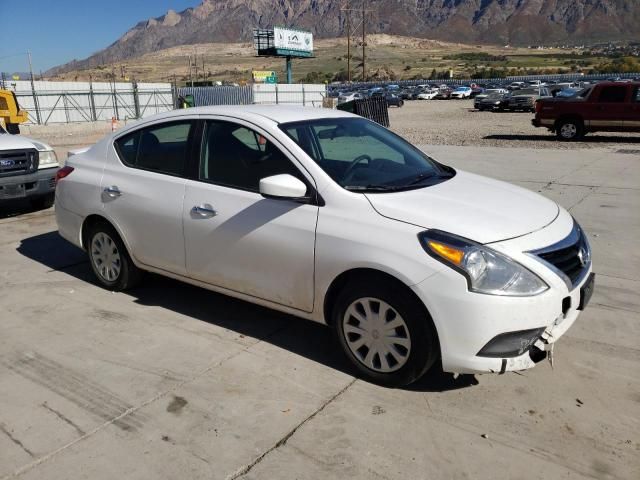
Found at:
[500, 22]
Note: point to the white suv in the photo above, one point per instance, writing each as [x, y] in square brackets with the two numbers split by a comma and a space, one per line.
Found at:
[333, 218]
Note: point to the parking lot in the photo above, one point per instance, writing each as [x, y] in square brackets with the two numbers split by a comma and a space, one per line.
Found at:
[172, 381]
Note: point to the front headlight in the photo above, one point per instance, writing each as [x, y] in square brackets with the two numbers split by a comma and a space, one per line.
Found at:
[487, 271]
[48, 159]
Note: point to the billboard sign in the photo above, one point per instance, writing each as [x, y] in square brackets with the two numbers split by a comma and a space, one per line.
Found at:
[295, 41]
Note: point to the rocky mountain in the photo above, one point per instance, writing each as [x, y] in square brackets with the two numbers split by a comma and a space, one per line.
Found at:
[517, 22]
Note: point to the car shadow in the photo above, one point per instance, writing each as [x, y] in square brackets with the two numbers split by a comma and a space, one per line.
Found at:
[305, 338]
[13, 208]
[591, 139]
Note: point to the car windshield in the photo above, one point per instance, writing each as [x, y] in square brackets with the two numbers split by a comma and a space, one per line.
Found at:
[362, 156]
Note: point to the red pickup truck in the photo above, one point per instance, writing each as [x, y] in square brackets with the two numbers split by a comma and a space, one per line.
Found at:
[603, 107]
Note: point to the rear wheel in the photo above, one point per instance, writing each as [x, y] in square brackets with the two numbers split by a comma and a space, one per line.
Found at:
[385, 332]
[109, 259]
[569, 129]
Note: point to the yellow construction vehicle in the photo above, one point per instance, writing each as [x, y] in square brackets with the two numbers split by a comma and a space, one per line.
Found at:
[10, 114]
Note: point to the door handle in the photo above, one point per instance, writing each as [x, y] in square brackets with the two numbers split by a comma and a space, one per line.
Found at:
[113, 191]
[205, 210]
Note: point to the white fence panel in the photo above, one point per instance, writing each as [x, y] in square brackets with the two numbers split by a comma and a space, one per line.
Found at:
[289, 94]
[66, 102]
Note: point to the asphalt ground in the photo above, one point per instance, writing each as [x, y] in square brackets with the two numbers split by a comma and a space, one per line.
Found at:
[171, 381]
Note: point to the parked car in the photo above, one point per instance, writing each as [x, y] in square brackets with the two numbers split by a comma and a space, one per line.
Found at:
[606, 107]
[350, 96]
[394, 100]
[494, 101]
[517, 85]
[461, 92]
[490, 91]
[443, 94]
[27, 170]
[526, 99]
[320, 214]
[428, 94]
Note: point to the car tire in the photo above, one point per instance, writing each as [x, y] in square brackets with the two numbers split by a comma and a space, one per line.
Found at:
[413, 340]
[569, 129]
[13, 128]
[43, 202]
[110, 260]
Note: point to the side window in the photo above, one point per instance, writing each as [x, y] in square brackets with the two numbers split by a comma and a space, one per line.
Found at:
[161, 148]
[235, 156]
[615, 94]
[636, 95]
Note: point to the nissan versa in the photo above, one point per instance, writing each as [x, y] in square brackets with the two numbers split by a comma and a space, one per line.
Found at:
[333, 218]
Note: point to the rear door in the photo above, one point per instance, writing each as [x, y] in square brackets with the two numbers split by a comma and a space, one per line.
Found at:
[608, 110]
[143, 189]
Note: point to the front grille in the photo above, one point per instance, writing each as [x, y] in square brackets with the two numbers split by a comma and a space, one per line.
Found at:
[18, 162]
[570, 257]
[566, 260]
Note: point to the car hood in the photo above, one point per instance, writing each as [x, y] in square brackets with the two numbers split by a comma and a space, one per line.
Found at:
[19, 142]
[471, 206]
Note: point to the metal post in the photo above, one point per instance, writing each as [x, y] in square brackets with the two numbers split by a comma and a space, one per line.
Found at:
[136, 99]
[2, 80]
[303, 99]
[92, 100]
[277, 102]
[65, 106]
[33, 90]
[289, 72]
[115, 99]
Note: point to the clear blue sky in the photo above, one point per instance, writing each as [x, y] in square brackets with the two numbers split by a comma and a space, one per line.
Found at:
[57, 31]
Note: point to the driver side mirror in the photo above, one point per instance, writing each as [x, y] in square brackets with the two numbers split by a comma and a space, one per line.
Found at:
[282, 186]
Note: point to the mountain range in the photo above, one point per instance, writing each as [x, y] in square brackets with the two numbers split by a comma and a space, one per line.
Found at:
[516, 22]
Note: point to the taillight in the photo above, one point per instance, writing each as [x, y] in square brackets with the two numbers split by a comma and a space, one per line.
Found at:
[63, 172]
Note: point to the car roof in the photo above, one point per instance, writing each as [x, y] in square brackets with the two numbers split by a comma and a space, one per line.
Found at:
[275, 113]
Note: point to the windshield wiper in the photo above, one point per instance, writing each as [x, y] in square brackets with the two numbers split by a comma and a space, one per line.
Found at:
[427, 176]
[371, 188]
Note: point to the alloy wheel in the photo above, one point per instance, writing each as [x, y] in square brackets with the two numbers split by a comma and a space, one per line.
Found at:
[568, 130]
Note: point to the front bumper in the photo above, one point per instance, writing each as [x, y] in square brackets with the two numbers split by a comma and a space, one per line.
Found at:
[467, 322]
[39, 183]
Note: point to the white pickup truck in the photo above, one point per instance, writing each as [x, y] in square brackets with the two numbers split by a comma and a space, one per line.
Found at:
[27, 170]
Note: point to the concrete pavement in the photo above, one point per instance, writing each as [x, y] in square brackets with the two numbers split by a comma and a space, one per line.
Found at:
[171, 381]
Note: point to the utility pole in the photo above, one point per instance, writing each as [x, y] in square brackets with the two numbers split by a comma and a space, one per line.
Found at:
[353, 29]
[364, 41]
[348, 10]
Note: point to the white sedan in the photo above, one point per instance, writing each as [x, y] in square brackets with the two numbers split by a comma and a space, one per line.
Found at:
[333, 218]
[462, 92]
[428, 94]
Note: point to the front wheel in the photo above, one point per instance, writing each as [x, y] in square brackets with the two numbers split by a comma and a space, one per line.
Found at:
[109, 259]
[385, 332]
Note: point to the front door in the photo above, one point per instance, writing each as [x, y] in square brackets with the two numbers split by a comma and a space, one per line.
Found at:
[239, 240]
[143, 189]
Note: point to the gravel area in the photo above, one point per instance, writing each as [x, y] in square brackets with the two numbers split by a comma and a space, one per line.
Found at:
[430, 122]
[455, 122]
